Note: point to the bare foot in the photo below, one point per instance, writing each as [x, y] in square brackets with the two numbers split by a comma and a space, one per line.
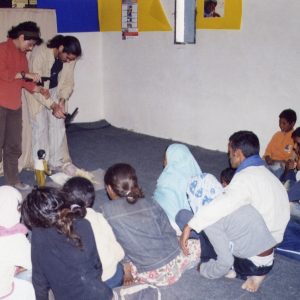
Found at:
[253, 283]
[231, 274]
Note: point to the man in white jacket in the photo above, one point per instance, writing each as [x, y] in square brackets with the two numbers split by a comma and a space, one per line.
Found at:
[54, 61]
[252, 184]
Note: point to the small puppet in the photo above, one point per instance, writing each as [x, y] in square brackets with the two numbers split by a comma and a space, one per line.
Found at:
[41, 168]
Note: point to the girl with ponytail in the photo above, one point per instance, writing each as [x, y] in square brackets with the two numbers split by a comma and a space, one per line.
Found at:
[152, 253]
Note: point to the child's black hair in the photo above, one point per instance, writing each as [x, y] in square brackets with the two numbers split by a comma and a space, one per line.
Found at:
[226, 175]
[296, 133]
[80, 189]
[123, 181]
[289, 115]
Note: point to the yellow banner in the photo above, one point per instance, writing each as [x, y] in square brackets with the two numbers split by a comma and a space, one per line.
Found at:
[151, 15]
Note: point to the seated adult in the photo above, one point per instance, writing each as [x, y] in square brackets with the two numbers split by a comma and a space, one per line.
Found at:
[252, 184]
[242, 240]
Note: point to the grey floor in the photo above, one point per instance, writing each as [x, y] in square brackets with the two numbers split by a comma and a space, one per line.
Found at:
[99, 145]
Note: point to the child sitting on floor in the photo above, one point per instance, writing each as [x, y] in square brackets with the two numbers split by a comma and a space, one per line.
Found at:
[111, 253]
[63, 248]
[280, 148]
[170, 193]
[14, 248]
[226, 176]
[152, 253]
[293, 164]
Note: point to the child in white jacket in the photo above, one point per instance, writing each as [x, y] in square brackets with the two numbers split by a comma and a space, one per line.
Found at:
[15, 249]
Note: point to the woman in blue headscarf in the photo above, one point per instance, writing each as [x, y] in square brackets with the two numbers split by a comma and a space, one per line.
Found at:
[171, 189]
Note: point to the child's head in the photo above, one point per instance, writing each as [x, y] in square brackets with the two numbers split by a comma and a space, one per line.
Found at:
[226, 176]
[287, 120]
[80, 189]
[296, 139]
[47, 207]
[179, 159]
[10, 199]
[210, 5]
[121, 182]
[41, 154]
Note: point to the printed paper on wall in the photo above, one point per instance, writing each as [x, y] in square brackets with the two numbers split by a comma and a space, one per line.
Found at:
[219, 14]
[129, 19]
[151, 16]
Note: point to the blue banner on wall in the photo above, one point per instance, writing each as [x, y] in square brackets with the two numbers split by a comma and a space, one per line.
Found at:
[74, 15]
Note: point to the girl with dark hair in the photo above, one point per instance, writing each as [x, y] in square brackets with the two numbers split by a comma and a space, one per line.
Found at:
[13, 69]
[55, 61]
[64, 253]
[80, 189]
[152, 253]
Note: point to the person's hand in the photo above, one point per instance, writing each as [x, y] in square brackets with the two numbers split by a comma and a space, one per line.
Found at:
[290, 164]
[57, 111]
[19, 270]
[35, 77]
[37, 89]
[45, 92]
[61, 103]
[127, 278]
[269, 160]
[183, 241]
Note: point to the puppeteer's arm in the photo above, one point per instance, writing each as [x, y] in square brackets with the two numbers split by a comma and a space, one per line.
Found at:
[36, 63]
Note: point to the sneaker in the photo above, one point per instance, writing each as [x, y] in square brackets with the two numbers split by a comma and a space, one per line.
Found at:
[22, 186]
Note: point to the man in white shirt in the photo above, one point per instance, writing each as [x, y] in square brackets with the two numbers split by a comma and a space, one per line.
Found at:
[252, 184]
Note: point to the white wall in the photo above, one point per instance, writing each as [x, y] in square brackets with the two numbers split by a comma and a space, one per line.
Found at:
[88, 91]
[198, 94]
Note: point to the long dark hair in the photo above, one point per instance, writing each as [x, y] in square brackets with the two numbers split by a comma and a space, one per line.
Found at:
[71, 44]
[123, 181]
[80, 189]
[47, 207]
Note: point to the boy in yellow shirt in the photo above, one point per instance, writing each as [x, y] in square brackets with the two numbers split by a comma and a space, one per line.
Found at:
[280, 148]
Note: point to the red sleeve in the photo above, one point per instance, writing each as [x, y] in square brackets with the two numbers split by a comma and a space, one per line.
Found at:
[29, 86]
[6, 73]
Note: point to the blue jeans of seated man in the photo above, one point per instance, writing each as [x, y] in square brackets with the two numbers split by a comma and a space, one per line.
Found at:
[289, 175]
[207, 250]
[117, 279]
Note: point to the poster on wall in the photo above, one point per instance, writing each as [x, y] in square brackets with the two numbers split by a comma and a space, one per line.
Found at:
[18, 3]
[129, 19]
[219, 14]
[213, 8]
